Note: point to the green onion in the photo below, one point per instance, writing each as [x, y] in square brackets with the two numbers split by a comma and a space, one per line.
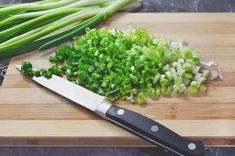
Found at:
[34, 6]
[202, 88]
[29, 15]
[35, 23]
[141, 98]
[25, 27]
[26, 39]
[103, 15]
[116, 64]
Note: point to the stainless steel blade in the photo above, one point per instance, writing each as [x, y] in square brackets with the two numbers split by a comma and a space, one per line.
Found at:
[71, 91]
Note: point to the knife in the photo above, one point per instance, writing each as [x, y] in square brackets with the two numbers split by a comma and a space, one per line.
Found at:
[133, 122]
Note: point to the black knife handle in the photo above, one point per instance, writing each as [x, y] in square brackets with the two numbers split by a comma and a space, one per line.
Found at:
[154, 132]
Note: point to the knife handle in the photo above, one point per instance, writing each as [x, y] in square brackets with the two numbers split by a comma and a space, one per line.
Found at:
[154, 132]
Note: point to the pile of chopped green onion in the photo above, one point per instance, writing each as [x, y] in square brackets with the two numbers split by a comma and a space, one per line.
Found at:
[130, 64]
[46, 23]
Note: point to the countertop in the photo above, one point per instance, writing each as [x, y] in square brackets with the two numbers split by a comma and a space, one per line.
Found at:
[148, 6]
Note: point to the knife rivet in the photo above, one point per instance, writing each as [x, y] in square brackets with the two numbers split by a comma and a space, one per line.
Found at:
[154, 128]
[191, 146]
[120, 112]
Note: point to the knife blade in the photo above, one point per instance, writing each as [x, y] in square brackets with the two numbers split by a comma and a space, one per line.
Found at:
[133, 122]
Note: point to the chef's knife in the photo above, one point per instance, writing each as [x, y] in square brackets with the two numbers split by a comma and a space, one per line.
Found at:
[138, 124]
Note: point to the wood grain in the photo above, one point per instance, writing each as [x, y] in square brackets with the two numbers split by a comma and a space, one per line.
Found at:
[81, 133]
[32, 115]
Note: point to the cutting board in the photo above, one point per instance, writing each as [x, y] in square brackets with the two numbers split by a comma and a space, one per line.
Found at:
[32, 115]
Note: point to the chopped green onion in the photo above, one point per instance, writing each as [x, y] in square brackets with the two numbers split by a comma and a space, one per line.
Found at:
[141, 98]
[116, 64]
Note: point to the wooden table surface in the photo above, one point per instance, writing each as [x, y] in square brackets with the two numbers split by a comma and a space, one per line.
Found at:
[32, 115]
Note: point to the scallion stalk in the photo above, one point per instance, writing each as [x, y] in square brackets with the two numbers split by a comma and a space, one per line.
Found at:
[34, 6]
[34, 25]
[27, 39]
[103, 15]
[29, 15]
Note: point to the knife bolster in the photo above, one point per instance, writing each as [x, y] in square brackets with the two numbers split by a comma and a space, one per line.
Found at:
[103, 108]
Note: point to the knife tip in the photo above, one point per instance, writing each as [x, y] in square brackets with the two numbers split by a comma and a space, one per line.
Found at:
[18, 67]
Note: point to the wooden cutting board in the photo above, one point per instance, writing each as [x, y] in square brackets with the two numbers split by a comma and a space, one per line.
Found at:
[32, 115]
